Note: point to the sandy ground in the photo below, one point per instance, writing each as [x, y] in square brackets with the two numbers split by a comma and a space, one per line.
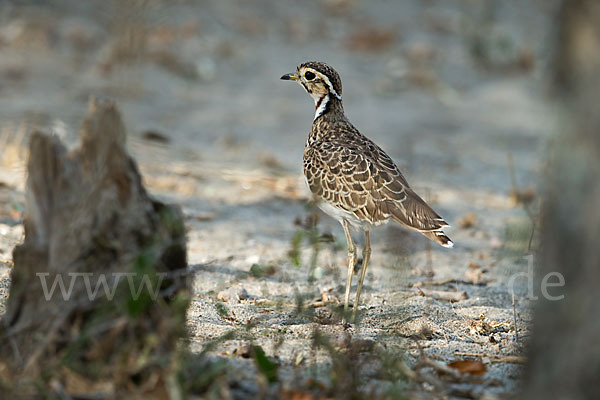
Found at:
[452, 91]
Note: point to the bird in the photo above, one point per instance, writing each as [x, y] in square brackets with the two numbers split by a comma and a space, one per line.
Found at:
[354, 180]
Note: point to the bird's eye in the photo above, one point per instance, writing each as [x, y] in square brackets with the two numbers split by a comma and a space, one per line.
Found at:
[309, 76]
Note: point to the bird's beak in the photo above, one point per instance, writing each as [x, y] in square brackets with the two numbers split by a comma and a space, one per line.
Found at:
[290, 77]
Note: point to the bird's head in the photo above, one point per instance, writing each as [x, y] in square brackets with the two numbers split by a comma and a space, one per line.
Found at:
[319, 80]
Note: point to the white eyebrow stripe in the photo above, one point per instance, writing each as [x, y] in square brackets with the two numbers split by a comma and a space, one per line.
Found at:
[331, 89]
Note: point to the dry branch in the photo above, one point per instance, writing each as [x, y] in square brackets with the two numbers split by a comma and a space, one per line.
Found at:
[494, 358]
[443, 295]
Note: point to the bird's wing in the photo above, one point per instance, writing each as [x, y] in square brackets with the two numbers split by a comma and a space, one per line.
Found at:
[342, 175]
[357, 176]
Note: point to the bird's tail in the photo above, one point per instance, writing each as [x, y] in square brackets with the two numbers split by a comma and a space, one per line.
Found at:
[439, 237]
[414, 213]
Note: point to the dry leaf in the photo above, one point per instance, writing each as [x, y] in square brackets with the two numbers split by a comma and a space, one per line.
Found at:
[472, 367]
[485, 327]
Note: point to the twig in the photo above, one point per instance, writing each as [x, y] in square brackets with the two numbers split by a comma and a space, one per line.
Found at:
[534, 222]
[493, 358]
[442, 295]
[511, 171]
[446, 281]
[49, 338]
[406, 371]
[515, 318]
[510, 359]
[515, 188]
[429, 265]
[418, 376]
[15, 349]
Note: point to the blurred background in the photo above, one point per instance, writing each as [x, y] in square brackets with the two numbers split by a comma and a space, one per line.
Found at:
[444, 86]
[453, 90]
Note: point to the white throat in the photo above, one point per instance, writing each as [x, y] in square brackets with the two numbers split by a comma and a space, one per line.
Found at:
[320, 105]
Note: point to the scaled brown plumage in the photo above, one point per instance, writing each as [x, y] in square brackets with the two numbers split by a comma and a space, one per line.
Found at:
[347, 170]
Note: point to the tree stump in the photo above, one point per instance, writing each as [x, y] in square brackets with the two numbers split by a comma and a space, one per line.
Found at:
[90, 223]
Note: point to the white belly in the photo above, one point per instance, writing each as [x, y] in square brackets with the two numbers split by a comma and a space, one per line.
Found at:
[340, 215]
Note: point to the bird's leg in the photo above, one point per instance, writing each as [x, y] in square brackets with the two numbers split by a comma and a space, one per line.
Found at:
[351, 262]
[363, 272]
